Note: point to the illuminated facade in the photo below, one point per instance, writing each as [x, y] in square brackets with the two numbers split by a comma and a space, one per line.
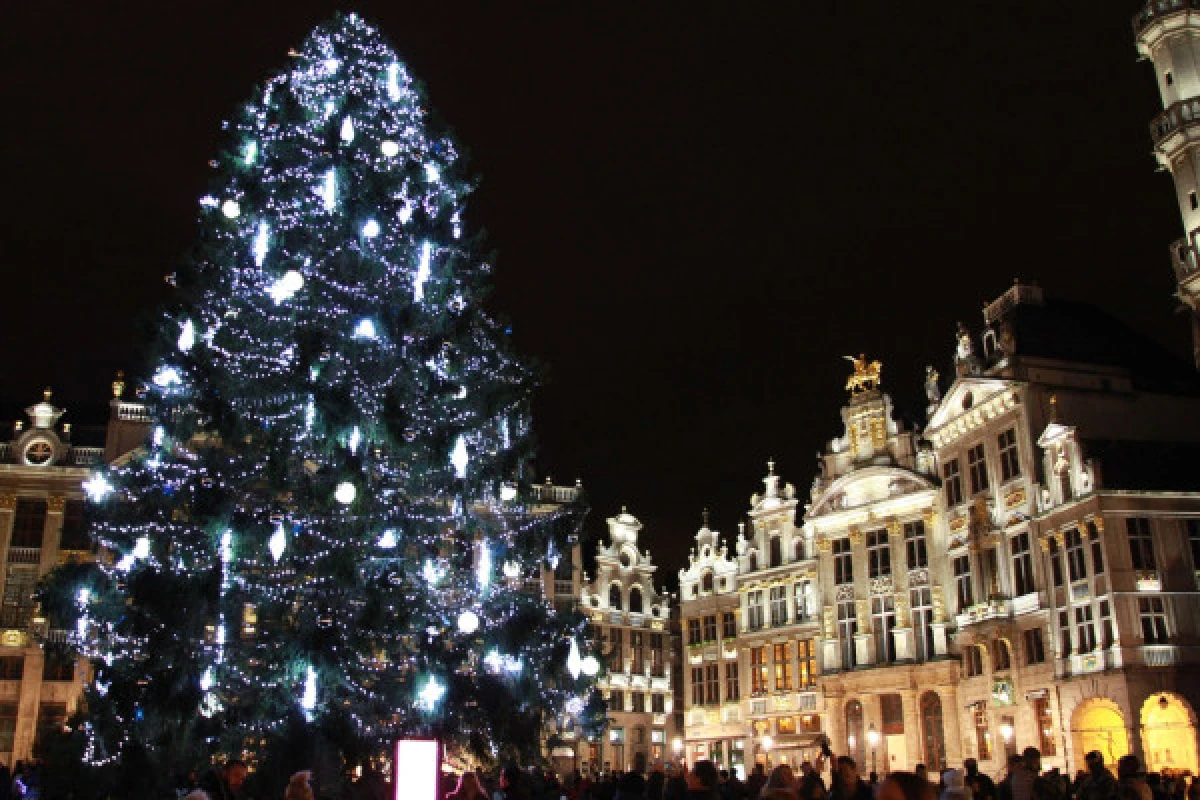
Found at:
[632, 621]
[887, 676]
[709, 609]
[42, 469]
[1066, 449]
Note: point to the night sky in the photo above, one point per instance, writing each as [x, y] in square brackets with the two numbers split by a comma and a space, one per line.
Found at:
[698, 208]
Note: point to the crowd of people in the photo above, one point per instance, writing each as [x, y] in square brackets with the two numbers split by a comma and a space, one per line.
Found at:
[1024, 779]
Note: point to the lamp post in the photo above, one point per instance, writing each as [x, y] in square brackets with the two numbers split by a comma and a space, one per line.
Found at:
[767, 743]
[677, 746]
[873, 740]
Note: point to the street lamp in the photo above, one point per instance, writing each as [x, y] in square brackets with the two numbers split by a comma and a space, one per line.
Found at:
[677, 746]
[873, 740]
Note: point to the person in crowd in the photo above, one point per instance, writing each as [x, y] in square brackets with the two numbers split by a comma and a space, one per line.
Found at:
[632, 785]
[781, 785]
[1130, 782]
[702, 781]
[954, 785]
[811, 785]
[513, 785]
[468, 788]
[922, 772]
[1023, 778]
[228, 783]
[655, 782]
[1016, 763]
[846, 783]
[676, 787]
[756, 781]
[1193, 789]
[906, 786]
[982, 787]
[1097, 782]
[298, 788]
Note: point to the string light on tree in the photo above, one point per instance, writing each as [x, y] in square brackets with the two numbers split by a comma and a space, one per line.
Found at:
[353, 429]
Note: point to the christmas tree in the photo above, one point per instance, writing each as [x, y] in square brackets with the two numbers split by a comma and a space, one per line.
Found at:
[325, 538]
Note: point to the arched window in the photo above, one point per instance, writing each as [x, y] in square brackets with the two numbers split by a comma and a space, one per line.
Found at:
[635, 600]
[932, 733]
[614, 597]
[753, 561]
[776, 551]
[706, 581]
[1000, 655]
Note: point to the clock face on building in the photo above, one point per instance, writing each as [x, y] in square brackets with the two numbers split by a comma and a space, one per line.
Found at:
[39, 452]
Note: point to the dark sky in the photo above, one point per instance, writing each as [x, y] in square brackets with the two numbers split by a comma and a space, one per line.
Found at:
[698, 207]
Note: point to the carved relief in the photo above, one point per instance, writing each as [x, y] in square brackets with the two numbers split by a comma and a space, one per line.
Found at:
[845, 592]
[824, 546]
[56, 503]
[856, 537]
[939, 605]
[8, 501]
[918, 576]
[882, 585]
[829, 620]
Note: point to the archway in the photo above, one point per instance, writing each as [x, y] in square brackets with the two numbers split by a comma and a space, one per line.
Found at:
[933, 731]
[1169, 733]
[614, 597]
[635, 600]
[1098, 724]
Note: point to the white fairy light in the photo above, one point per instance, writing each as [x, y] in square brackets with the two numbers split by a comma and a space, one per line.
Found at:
[227, 546]
[405, 214]
[459, 457]
[187, 336]
[431, 695]
[261, 244]
[208, 201]
[483, 569]
[345, 493]
[97, 487]
[574, 706]
[511, 569]
[387, 540]
[371, 229]
[433, 573]
[432, 173]
[251, 152]
[355, 440]
[159, 436]
[347, 132]
[206, 680]
[141, 548]
[278, 542]
[590, 666]
[287, 285]
[329, 194]
[393, 81]
[329, 108]
[365, 329]
[231, 209]
[389, 148]
[310, 414]
[308, 700]
[167, 376]
[422, 272]
[331, 65]
[508, 492]
[468, 622]
[574, 662]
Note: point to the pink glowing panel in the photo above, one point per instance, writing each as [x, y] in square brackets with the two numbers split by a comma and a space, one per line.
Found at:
[416, 769]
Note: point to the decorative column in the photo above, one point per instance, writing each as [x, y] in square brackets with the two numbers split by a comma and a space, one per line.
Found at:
[902, 634]
[28, 704]
[939, 620]
[864, 649]
[8, 508]
[52, 533]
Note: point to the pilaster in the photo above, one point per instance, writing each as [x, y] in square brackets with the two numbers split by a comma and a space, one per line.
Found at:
[52, 533]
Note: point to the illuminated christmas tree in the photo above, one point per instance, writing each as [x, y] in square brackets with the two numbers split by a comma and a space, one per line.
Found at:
[326, 538]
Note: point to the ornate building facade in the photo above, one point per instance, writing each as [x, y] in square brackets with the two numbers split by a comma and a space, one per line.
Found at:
[887, 675]
[709, 608]
[632, 620]
[42, 470]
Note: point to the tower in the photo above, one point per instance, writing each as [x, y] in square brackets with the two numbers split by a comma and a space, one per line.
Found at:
[1168, 33]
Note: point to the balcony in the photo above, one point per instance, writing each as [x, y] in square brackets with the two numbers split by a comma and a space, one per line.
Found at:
[1155, 10]
[24, 555]
[1176, 118]
[87, 456]
[1026, 603]
[996, 608]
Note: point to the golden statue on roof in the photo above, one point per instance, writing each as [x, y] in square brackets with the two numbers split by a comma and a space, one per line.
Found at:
[866, 374]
